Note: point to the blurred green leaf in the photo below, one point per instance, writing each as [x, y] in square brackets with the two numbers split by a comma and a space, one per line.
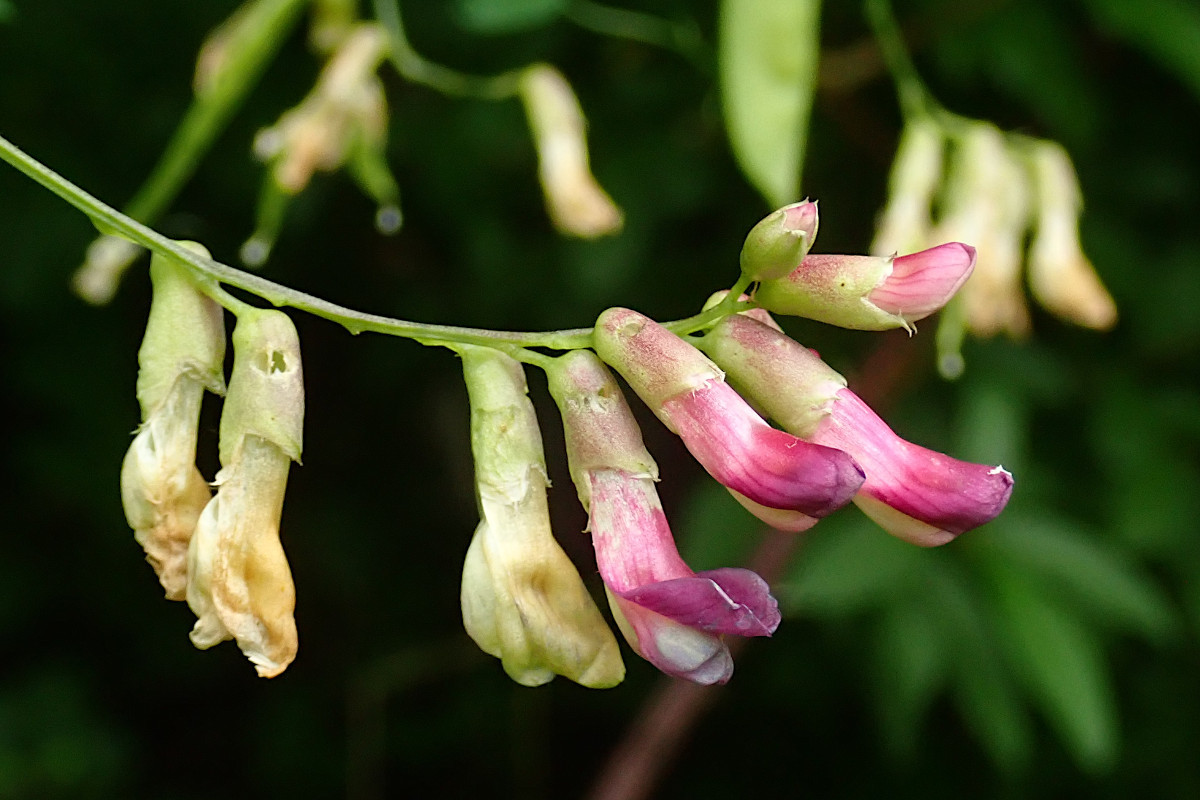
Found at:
[7, 11]
[1060, 662]
[507, 16]
[993, 709]
[1165, 30]
[1083, 570]
[983, 691]
[910, 659]
[768, 72]
[847, 566]
[992, 423]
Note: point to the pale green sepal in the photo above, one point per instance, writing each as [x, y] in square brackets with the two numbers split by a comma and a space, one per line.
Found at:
[266, 389]
[185, 335]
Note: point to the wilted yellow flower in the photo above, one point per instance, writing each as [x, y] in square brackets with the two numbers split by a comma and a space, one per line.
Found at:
[239, 583]
[986, 204]
[905, 224]
[346, 109]
[181, 356]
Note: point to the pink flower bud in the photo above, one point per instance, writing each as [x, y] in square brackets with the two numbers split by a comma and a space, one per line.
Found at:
[870, 292]
[672, 616]
[780, 241]
[732, 442]
[916, 494]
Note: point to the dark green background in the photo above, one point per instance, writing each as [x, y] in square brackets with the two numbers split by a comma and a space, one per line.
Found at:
[102, 695]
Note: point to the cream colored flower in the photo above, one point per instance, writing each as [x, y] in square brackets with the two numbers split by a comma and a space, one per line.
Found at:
[239, 583]
[181, 356]
[576, 203]
[986, 205]
[905, 224]
[522, 600]
[1060, 275]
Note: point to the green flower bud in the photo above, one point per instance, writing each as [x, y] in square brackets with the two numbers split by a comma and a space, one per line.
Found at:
[778, 243]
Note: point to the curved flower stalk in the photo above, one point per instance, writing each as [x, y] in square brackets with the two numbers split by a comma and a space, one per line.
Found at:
[522, 600]
[916, 494]
[733, 443]
[870, 293]
[673, 617]
[181, 356]
[239, 583]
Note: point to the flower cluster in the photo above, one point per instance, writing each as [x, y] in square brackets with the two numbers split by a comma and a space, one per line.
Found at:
[221, 553]
[719, 385]
[524, 603]
[997, 190]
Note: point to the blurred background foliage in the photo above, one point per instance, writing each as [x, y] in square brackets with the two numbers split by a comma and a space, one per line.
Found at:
[1052, 653]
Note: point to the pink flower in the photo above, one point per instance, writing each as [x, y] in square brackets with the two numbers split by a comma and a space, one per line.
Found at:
[672, 616]
[731, 441]
[870, 292]
[920, 495]
[916, 494]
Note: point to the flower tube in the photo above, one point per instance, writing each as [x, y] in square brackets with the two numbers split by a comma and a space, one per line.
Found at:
[916, 494]
[733, 443]
[673, 617]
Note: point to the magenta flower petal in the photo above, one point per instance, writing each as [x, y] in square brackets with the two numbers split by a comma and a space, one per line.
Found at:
[767, 465]
[728, 600]
[923, 282]
[947, 495]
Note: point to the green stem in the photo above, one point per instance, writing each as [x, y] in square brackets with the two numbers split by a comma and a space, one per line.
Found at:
[915, 100]
[210, 274]
[636, 26]
[258, 38]
[413, 67]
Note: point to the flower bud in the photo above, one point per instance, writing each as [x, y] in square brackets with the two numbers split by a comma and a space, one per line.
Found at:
[915, 494]
[906, 222]
[778, 243]
[522, 599]
[181, 356]
[671, 616]
[871, 293]
[689, 394]
[576, 203]
[239, 583]
[1060, 275]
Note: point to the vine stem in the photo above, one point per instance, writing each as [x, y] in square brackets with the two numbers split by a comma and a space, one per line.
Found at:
[915, 100]
[210, 274]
